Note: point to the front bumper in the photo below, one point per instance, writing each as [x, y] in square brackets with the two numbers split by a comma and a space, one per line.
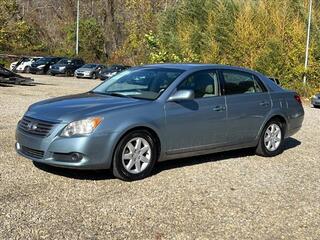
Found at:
[83, 74]
[315, 102]
[95, 151]
[103, 77]
[58, 71]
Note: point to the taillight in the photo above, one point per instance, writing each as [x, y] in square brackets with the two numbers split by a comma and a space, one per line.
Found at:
[298, 98]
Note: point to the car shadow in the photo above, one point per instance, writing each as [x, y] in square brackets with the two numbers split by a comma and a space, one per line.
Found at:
[97, 175]
[45, 84]
[221, 156]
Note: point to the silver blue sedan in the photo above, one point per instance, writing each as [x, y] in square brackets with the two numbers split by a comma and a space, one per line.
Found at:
[160, 112]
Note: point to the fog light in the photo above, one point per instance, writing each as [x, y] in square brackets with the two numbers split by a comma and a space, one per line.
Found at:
[76, 157]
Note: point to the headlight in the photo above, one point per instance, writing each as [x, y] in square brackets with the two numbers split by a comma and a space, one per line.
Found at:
[111, 74]
[82, 127]
[41, 66]
[62, 68]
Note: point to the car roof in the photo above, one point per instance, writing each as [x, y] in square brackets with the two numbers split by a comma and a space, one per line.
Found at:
[196, 66]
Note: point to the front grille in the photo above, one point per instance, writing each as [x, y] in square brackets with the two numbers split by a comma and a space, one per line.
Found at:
[32, 152]
[35, 126]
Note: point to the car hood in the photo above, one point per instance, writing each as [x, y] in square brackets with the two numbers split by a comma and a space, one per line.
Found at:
[80, 106]
[38, 64]
[108, 72]
[60, 65]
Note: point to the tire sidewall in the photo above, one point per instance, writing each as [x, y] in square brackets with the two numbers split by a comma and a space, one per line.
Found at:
[118, 167]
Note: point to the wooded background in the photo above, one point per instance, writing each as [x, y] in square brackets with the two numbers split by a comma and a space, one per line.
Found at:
[265, 35]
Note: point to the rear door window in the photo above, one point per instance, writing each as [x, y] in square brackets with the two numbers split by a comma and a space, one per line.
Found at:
[237, 82]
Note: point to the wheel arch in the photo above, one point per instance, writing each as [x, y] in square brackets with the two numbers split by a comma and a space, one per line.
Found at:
[274, 116]
[153, 133]
[281, 118]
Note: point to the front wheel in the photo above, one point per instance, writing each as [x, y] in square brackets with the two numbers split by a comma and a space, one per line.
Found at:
[271, 140]
[135, 156]
[69, 73]
[27, 69]
[94, 76]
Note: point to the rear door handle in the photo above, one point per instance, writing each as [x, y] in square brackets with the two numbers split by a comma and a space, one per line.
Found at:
[264, 104]
[219, 108]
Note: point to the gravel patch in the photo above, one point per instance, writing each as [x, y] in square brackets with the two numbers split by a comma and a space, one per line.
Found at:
[233, 195]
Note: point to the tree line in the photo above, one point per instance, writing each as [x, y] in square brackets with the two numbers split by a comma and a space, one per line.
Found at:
[265, 35]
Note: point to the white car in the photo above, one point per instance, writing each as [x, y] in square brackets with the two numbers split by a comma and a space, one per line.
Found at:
[23, 65]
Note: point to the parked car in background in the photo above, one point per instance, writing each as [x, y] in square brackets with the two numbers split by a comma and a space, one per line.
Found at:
[315, 100]
[43, 65]
[24, 64]
[66, 66]
[160, 112]
[90, 70]
[112, 71]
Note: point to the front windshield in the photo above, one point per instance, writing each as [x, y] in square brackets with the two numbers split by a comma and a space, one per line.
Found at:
[144, 83]
[110, 69]
[64, 61]
[43, 60]
[89, 66]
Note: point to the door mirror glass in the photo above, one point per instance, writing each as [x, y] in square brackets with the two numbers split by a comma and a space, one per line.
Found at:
[182, 95]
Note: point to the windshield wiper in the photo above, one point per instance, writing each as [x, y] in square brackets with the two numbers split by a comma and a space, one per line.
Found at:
[116, 94]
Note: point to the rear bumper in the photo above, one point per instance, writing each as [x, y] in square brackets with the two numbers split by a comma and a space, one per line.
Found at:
[94, 152]
[295, 123]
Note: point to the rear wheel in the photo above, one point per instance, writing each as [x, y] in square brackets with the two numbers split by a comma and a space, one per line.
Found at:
[135, 156]
[271, 140]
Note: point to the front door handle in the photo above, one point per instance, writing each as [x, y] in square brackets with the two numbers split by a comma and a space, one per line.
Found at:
[219, 108]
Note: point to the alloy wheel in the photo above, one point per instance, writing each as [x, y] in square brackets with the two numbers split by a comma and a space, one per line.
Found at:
[136, 155]
[273, 137]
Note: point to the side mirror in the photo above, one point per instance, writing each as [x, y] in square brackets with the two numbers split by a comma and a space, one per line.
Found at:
[182, 95]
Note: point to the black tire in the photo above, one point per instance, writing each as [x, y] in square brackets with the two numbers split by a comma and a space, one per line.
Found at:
[69, 73]
[261, 149]
[119, 169]
[94, 76]
[26, 69]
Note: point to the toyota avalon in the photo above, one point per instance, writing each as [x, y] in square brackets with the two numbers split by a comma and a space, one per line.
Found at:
[154, 113]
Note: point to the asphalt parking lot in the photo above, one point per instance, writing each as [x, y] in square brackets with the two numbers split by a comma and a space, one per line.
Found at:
[233, 195]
